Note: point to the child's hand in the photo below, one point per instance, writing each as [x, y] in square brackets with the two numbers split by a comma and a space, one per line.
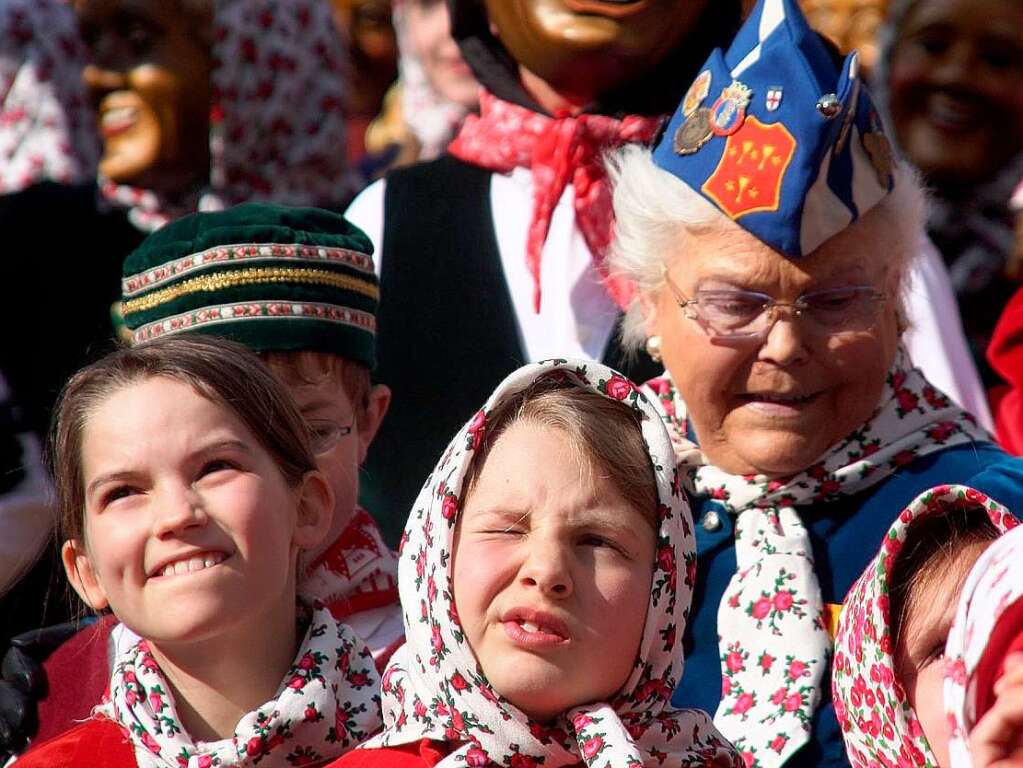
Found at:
[997, 740]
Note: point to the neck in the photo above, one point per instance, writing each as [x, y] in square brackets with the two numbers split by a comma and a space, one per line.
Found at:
[217, 682]
[553, 101]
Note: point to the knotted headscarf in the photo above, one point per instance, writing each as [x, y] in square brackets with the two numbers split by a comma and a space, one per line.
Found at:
[773, 643]
[878, 724]
[276, 128]
[986, 628]
[559, 151]
[434, 687]
[327, 703]
[47, 126]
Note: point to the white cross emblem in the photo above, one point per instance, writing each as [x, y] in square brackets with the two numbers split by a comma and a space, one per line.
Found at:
[773, 99]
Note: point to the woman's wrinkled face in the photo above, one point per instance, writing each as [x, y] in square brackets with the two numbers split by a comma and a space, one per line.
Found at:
[429, 29]
[775, 406]
[551, 572]
[591, 44]
[954, 88]
[149, 76]
[920, 655]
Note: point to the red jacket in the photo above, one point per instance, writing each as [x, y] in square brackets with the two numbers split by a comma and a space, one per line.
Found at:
[93, 744]
[417, 755]
[1006, 356]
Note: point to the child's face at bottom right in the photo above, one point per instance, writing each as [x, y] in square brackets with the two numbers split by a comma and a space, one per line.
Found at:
[552, 574]
[920, 656]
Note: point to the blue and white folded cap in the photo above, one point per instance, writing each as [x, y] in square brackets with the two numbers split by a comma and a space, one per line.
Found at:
[777, 137]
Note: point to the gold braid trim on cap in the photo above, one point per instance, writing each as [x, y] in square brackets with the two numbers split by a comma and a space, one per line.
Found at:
[252, 276]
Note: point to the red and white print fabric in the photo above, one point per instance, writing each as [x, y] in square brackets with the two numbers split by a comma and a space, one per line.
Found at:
[773, 643]
[993, 590]
[47, 126]
[327, 704]
[879, 726]
[434, 689]
[559, 151]
[277, 132]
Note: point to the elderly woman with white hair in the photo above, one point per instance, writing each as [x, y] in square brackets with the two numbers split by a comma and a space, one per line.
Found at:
[769, 236]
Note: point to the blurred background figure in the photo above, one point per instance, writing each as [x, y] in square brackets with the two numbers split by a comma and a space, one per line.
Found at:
[950, 71]
[434, 92]
[849, 24]
[47, 127]
[371, 62]
[198, 105]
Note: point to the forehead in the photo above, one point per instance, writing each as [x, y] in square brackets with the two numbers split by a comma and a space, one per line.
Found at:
[734, 254]
[1001, 18]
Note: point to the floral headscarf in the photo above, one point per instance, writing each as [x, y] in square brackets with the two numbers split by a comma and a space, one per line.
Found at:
[326, 704]
[978, 641]
[879, 726]
[276, 128]
[47, 127]
[771, 612]
[434, 688]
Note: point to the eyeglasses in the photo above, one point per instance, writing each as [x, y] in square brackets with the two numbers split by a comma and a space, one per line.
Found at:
[325, 434]
[733, 315]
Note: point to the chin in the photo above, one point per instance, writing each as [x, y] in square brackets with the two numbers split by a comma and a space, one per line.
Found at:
[780, 454]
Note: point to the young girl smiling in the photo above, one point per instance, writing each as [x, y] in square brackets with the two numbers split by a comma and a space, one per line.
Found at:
[187, 489]
[546, 575]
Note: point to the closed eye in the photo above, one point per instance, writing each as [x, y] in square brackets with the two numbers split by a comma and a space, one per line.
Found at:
[115, 493]
[217, 465]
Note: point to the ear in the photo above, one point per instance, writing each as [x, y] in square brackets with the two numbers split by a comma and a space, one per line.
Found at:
[377, 402]
[315, 511]
[79, 571]
[648, 305]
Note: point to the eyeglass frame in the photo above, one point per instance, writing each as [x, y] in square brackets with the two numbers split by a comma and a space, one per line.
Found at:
[690, 310]
[343, 430]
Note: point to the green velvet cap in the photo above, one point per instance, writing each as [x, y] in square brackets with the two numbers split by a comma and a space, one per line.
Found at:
[270, 277]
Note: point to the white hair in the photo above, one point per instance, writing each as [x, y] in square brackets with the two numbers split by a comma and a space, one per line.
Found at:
[656, 214]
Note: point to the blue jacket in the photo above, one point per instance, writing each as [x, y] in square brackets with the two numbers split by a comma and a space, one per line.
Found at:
[845, 534]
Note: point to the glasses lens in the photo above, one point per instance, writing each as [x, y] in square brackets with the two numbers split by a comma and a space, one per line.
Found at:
[852, 308]
[735, 312]
[324, 435]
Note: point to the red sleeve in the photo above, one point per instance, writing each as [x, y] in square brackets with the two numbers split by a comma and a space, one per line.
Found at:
[1006, 638]
[1005, 353]
[93, 744]
[417, 755]
[77, 674]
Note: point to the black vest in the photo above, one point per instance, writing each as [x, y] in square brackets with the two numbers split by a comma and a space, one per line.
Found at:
[447, 333]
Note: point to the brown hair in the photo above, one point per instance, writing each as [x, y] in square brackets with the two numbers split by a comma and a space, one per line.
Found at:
[221, 371]
[310, 367]
[931, 548]
[602, 430]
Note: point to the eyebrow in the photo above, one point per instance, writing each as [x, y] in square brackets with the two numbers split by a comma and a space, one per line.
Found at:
[127, 474]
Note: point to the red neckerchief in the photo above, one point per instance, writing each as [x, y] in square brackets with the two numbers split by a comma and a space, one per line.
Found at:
[558, 150]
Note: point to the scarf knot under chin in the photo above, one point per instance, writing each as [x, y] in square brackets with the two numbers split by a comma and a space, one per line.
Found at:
[327, 704]
[558, 151]
[772, 632]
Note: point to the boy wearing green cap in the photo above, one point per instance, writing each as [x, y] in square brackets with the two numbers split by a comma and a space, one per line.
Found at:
[296, 285]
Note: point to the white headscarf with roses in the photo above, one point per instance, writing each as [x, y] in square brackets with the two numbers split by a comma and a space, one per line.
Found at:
[987, 622]
[434, 687]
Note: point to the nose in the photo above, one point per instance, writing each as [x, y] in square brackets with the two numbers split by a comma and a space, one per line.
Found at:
[177, 511]
[956, 65]
[547, 567]
[101, 80]
[785, 342]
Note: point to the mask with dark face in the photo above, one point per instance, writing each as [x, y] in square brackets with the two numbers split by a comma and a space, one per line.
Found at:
[149, 76]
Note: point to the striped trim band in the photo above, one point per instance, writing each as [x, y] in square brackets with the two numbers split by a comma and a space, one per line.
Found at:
[255, 311]
[252, 276]
[226, 254]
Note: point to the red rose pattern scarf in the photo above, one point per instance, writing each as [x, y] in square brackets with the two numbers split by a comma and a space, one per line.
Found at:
[977, 643]
[772, 640]
[879, 726]
[327, 704]
[434, 689]
[559, 151]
